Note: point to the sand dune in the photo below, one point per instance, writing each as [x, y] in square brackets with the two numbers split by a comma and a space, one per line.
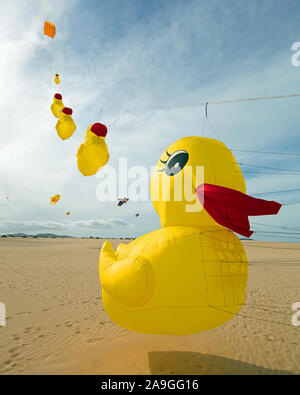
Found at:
[56, 322]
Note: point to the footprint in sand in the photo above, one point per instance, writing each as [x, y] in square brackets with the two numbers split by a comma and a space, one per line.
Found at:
[13, 350]
[94, 340]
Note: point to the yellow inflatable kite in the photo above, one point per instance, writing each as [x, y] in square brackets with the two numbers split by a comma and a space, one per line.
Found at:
[57, 104]
[65, 125]
[56, 79]
[54, 199]
[93, 153]
[190, 275]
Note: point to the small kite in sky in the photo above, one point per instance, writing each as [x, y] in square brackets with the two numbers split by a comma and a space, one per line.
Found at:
[54, 199]
[122, 201]
[49, 29]
[65, 125]
[93, 153]
[56, 79]
[57, 104]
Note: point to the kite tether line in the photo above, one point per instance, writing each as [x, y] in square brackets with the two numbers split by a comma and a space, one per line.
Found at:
[243, 100]
[248, 99]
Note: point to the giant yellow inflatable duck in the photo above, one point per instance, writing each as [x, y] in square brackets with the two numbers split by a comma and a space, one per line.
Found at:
[190, 275]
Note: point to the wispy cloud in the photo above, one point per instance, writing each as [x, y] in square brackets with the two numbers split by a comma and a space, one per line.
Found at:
[12, 226]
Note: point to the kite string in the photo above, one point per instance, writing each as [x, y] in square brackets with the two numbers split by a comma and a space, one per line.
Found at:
[270, 172]
[266, 152]
[213, 129]
[267, 167]
[217, 103]
[250, 99]
[251, 318]
[271, 192]
[203, 126]
[117, 118]
[206, 119]
[214, 102]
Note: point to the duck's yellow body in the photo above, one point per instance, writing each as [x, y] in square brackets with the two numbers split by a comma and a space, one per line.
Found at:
[190, 275]
[174, 281]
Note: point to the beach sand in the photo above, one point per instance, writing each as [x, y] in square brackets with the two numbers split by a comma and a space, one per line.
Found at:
[56, 323]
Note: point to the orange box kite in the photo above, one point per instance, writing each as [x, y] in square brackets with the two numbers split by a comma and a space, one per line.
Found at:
[49, 29]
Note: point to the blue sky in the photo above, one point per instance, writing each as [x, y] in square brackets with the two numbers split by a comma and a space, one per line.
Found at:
[114, 55]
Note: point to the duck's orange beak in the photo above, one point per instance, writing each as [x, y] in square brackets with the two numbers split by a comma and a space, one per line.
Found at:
[231, 208]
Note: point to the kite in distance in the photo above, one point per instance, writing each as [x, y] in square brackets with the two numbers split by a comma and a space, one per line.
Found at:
[57, 104]
[65, 125]
[122, 201]
[56, 79]
[49, 29]
[54, 199]
[93, 153]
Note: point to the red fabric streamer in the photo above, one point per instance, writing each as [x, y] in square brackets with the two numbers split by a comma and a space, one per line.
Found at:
[231, 208]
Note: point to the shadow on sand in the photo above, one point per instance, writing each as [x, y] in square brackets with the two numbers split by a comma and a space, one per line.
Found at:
[185, 362]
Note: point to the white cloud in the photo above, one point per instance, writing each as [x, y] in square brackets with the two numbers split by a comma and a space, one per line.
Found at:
[17, 226]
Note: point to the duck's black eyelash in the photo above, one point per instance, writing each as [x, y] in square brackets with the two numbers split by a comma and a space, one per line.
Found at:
[165, 161]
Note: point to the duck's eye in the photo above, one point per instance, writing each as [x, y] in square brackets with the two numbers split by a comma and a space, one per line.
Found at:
[176, 162]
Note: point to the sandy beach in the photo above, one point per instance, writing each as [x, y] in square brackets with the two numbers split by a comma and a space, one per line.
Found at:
[56, 322]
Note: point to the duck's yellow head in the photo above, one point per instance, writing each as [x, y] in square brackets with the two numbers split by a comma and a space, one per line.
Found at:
[182, 168]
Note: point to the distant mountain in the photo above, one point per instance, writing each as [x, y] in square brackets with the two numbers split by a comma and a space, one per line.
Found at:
[55, 236]
[50, 235]
[17, 235]
[42, 235]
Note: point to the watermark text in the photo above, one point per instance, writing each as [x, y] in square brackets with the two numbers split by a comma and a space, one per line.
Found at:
[296, 316]
[296, 55]
[2, 314]
[172, 184]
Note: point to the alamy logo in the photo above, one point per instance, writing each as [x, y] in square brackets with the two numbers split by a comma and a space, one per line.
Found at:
[296, 316]
[2, 314]
[174, 182]
[296, 56]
